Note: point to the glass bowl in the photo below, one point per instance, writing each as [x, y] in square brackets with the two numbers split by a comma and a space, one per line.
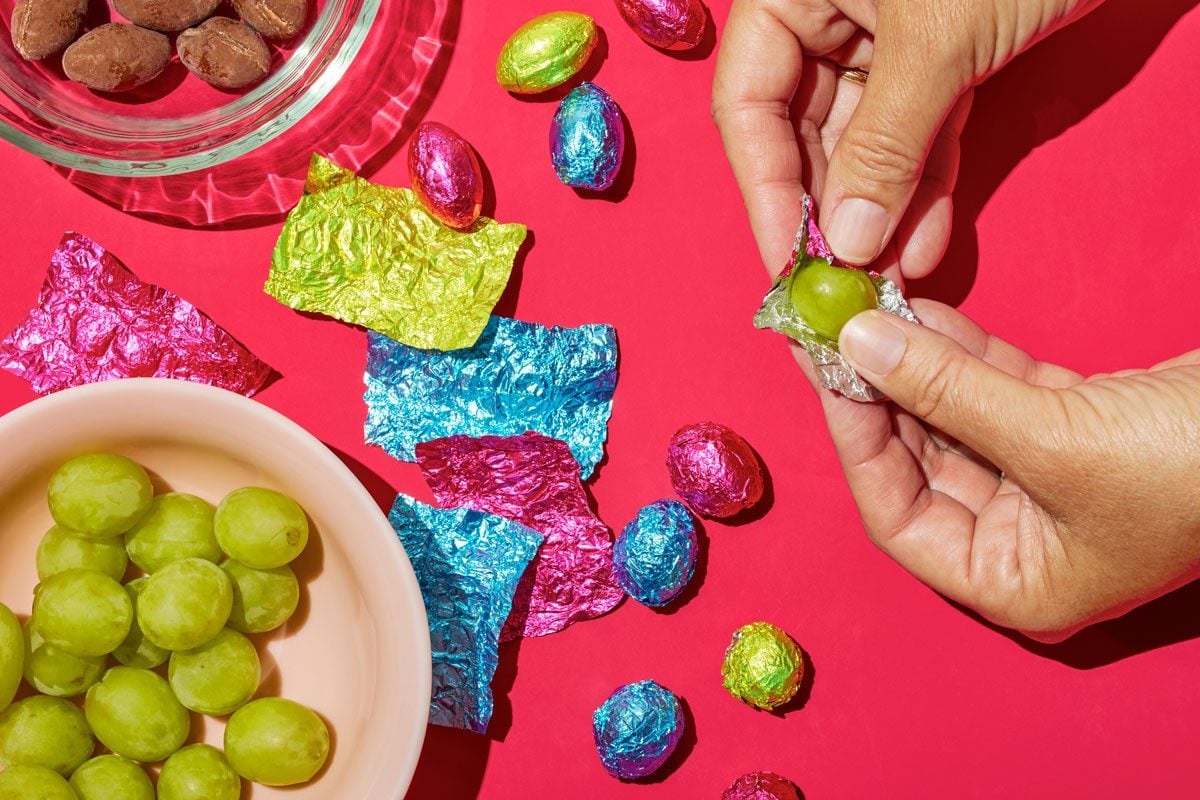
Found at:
[181, 149]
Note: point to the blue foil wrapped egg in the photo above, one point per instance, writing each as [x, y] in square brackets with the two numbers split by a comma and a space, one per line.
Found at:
[587, 138]
[637, 729]
[655, 555]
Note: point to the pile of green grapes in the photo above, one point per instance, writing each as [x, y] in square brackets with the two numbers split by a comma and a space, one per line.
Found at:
[212, 576]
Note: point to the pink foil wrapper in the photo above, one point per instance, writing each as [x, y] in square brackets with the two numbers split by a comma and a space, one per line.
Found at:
[533, 480]
[714, 470]
[97, 321]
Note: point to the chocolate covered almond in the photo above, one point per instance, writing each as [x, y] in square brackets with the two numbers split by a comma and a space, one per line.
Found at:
[43, 27]
[116, 57]
[166, 15]
[225, 53]
[274, 19]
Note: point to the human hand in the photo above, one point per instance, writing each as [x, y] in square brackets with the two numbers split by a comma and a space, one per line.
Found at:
[881, 161]
[1041, 499]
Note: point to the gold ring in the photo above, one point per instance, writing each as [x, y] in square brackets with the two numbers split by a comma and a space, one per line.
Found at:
[854, 75]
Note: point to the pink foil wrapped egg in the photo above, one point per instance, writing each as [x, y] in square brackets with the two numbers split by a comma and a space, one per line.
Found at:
[714, 470]
[445, 175]
[669, 24]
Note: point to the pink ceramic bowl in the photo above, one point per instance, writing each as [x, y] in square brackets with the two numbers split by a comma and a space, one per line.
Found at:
[357, 650]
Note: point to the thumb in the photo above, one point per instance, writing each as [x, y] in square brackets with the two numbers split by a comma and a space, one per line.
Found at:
[931, 376]
[878, 160]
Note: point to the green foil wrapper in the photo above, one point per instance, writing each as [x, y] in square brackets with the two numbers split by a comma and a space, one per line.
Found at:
[763, 666]
[373, 256]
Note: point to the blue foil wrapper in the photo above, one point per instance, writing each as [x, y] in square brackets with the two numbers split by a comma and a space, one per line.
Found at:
[518, 377]
[655, 555]
[468, 564]
[637, 729]
[587, 139]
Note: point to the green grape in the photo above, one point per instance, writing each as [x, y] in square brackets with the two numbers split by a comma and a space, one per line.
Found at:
[185, 604]
[217, 677]
[276, 742]
[53, 672]
[12, 655]
[34, 783]
[198, 772]
[261, 528]
[82, 612]
[134, 713]
[61, 550]
[827, 296]
[263, 599]
[45, 732]
[178, 526]
[99, 495]
[112, 778]
[137, 650]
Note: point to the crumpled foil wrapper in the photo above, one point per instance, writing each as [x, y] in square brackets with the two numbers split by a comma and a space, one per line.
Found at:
[373, 256]
[468, 564]
[587, 139]
[655, 555]
[714, 470]
[779, 314]
[637, 729]
[97, 321]
[518, 377]
[761, 786]
[534, 480]
[763, 666]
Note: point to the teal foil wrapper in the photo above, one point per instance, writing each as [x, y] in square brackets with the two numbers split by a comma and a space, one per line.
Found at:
[468, 564]
[518, 377]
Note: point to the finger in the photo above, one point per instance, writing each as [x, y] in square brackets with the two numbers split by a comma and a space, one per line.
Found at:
[758, 73]
[818, 84]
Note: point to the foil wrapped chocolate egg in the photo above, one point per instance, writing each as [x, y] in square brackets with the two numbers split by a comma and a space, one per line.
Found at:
[445, 175]
[546, 52]
[763, 666]
[761, 786]
[655, 555]
[637, 729]
[714, 470]
[669, 24]
[587, 139]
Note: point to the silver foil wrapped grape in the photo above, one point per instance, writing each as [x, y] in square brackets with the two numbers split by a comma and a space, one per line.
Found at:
[655, 555]
[445, 175]
[761, 786]
[669, 24]
[714, 470]
[587, 139]
[637, 729]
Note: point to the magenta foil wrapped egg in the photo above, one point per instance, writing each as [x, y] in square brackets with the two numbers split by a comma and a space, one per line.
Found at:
[669, 24]
[445, 175]
[714, 470]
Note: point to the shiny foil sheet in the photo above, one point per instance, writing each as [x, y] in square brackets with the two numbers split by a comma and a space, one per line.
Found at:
[587, 139]
[97, 321]
[761, 786]
[468, 564]
[445, 175]
[533, 480]
[373, 256]
[763, 666]
[637, 729]
[670, 24]
[714, 470]
[655, 555]
[779, 314]
[518, 377]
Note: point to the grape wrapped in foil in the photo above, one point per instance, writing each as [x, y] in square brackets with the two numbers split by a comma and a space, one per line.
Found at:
[546, 51]
[534, 480]
[97, 321]
[714, 470]
[763, 666]
[778, 313]
[468, 564]
[518, 377]
[373, 256]
[587, 139]
[761, 786]
[637, 729]
[655, 555]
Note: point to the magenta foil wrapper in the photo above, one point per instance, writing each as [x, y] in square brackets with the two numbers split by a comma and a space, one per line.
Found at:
[761, 786]
[714, 470]
[97, 321]
[532, 480]
[446, 175]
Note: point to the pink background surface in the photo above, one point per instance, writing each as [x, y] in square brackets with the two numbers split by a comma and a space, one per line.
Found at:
[1076, 237]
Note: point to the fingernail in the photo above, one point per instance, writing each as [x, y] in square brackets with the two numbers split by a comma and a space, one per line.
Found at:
[856, 229]
[872, 343]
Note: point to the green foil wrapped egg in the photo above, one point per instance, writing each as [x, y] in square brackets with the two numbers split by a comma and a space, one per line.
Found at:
[546, 52]
[763, 666]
